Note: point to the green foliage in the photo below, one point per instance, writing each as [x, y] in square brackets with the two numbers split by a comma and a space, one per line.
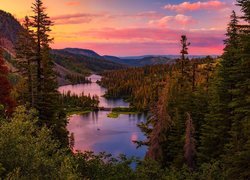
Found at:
[149, 169]
[27, 150]
[72, 102]
[139, 86]
[77, 79]
[104, 166]
[113, 115]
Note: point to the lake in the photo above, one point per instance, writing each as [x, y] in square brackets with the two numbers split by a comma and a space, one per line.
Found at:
[96, 132]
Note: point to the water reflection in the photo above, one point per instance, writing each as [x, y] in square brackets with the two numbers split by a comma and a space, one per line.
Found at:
[94, 89]
[96, 132]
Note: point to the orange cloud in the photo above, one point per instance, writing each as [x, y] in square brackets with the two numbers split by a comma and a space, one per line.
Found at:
[187, 6]
[72, 3]
[77, 18]
[174, 21]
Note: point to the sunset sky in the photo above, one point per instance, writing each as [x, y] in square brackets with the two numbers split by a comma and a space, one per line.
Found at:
[134, 27]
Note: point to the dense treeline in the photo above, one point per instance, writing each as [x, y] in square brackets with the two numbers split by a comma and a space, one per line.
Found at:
[141, 86]
[137, 85]
[72, 102]
[77, 79]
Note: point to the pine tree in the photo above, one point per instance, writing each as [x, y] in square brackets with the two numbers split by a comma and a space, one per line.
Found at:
[25, 55]
[50, 112]
[215, 131]
[42, 24]
[184, 51]
[237, 158]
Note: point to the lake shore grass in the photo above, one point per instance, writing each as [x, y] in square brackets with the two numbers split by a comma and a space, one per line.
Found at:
[122, 110]
[77, 112]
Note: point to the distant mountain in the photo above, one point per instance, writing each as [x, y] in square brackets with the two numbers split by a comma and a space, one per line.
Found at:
[139, 61]
[83, 64]
[111, 58]
[137, 57]
[150, 60]
[85, 52]
[134, 61]
[166, 56]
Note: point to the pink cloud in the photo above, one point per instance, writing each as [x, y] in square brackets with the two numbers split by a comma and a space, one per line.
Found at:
[134, 49]
[187, 6]
[138, 41]
[131, 34]
[174, 21]
[149, 14]
[72, 3]
[140, 15]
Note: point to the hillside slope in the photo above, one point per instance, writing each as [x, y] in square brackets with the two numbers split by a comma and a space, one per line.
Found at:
[83, 64]
[132, 62]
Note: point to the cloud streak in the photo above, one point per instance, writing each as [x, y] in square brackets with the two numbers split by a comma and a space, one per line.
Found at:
[72, 3]
[178, 21]
[187, 6]
[76, 18]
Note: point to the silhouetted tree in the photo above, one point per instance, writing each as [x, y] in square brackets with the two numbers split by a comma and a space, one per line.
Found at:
[25, 55]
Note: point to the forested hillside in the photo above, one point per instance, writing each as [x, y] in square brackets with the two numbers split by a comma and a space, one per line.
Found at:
[142, 86]
[199, 109]
[83, 64]
[144, 61]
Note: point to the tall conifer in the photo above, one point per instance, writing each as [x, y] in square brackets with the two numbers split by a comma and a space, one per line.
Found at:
[25, 55]
[50, 113]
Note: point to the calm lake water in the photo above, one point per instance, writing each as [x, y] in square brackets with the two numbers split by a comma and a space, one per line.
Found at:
[94, 89]
[96, 132]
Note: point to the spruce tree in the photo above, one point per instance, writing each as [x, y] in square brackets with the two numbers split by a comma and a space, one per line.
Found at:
[215, 131]
[42, 27]
[50, 113]
[25, 55]
[237, 158]
[184, 51]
